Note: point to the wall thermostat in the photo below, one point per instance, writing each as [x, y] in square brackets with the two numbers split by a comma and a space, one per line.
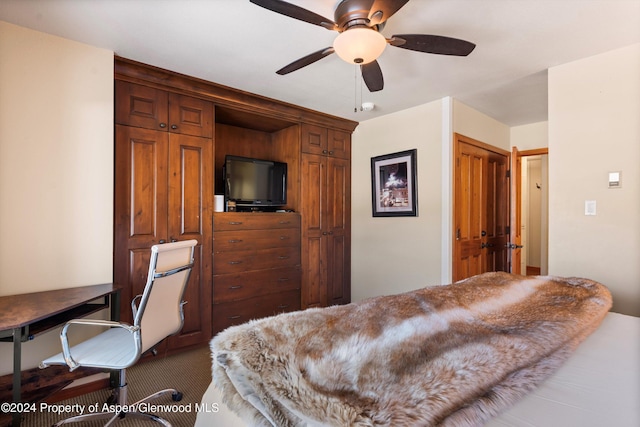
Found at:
[614, 179]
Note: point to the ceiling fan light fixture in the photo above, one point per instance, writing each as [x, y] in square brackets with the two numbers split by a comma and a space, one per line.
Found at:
[359, 45]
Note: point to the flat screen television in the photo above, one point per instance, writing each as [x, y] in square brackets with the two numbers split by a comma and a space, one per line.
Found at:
[255, 183]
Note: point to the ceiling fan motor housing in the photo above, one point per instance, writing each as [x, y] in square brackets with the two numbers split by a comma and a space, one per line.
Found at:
[351, 13]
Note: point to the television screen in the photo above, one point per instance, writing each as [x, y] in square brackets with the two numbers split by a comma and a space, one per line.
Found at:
[255, 182]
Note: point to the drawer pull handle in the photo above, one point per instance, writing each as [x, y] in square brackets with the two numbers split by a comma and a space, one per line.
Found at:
[285, 222]
[235, 287]
[237, 316]
[235, 262]
[283, 257]
[281, 306]
[235, 222]
[283, 279]
[284, 237]
[235, 241]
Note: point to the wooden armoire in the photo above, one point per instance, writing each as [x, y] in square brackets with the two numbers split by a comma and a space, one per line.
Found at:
[172, 133]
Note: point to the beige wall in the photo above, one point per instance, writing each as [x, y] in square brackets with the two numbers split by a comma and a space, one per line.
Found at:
[396, 254]
[531, 136]
[594, 128]
[56, 167]
[391, 255]
[474, 124]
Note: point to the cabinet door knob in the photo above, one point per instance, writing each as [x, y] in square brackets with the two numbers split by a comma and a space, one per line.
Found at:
[174, 127]
[162, 241]
[163, 125]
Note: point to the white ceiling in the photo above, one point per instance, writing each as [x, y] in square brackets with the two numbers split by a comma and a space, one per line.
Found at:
[238, 44]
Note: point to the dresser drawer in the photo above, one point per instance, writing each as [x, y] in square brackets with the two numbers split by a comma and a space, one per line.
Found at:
[232, 287]
[240, 261]
[241, 240]
[237, 312]
[225, 221]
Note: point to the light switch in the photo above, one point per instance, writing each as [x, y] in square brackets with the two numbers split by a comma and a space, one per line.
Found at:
[589, 207]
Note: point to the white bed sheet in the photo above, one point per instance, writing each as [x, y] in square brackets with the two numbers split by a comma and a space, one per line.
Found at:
[598, 386]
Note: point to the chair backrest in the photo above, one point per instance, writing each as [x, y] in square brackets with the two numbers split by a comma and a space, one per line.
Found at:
[159, 313]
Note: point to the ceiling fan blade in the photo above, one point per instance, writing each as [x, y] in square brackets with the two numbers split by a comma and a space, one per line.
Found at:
[306, 60]
[296, 12]
[383, 10]
[440, 45]
[372, 76]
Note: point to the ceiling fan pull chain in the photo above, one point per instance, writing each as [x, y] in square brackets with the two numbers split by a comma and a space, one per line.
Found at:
[355, 88]
[361, 89]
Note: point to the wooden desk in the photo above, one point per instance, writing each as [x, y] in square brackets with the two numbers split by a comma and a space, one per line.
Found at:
[24, 316]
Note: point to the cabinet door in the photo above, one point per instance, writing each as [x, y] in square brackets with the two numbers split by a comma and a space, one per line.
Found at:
[338, 226]
[190, 116]
[313, 139]
[140, 206]
[141, 106]
[190, 201]
[314, 242]
[339, 144]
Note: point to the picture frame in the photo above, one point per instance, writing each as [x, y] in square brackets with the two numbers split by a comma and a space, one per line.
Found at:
[393, 184]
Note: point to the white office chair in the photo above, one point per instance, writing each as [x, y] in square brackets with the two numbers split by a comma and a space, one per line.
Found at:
[158, 315]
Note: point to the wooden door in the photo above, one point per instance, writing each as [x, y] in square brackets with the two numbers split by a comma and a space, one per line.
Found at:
[496, 210]
[140, 207]
[481, 208]
[313, 181]
[141, 106]
[338, 224]
[339, 144]
[190, 116]
[164, 192]
[313, 139]
[190, 207]
[515, 244]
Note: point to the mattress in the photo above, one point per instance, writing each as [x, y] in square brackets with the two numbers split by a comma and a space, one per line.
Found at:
[598, 386]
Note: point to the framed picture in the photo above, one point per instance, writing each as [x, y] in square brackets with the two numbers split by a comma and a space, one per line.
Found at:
[393, 184]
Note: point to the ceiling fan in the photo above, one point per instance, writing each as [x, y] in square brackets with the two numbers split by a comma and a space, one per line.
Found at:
[360, 42]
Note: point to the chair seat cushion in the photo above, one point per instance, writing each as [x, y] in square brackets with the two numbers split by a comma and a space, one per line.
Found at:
[114, 348]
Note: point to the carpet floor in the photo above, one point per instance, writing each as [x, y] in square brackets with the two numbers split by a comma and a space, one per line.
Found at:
[188, 372]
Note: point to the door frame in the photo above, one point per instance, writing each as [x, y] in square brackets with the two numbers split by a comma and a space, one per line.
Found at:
[516, 195]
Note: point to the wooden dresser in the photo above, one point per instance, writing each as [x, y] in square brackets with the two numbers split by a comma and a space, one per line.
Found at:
[256, 266]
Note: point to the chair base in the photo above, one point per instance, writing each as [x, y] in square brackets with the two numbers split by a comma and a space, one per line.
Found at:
[119, 399]
[113, 418]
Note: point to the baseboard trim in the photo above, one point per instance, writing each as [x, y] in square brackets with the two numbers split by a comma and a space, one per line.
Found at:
[75, 391]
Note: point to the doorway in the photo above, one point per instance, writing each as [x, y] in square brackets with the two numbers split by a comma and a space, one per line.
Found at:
[534, 210]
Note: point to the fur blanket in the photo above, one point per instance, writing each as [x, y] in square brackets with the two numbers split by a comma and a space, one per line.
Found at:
[451, 355]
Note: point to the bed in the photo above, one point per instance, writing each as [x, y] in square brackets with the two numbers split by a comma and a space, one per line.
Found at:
[580, 366]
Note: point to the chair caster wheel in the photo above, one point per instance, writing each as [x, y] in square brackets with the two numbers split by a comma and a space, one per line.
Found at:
[177, 396]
